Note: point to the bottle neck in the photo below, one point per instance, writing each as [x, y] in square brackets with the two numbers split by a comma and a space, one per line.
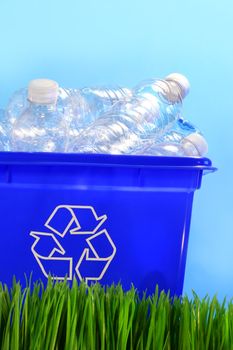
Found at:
[42, 109]
[170, 90]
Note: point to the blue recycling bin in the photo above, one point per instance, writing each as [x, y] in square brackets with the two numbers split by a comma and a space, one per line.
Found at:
[105, 218]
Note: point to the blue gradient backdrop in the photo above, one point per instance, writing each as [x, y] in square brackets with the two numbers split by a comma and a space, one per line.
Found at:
[122, 42]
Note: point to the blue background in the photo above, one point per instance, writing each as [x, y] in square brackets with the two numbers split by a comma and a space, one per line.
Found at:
[122, 42]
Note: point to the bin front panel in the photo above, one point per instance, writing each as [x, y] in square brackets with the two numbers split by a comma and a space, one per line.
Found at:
[129, 233]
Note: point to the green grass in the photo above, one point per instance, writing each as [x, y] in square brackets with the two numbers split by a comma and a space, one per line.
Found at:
[57, 316]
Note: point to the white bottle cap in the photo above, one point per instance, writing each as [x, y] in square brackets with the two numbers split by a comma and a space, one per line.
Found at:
[198, 141]
[43, 91]
[182, 81]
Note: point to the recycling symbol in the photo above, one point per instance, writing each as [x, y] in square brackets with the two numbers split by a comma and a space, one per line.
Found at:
[76, 243]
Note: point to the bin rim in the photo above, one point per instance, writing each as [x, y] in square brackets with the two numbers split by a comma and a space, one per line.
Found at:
[138, 161]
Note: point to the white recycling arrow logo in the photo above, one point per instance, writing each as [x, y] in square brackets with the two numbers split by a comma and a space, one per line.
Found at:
[58, 255]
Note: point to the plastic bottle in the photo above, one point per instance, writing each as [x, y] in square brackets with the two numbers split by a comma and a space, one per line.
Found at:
[192, 145]
[180, 129]
[17, 104]
[4, 133]
[88, 104]
[100, 100]
[41, 127]
[81, 106]
[175, 142]
[175, 87]
[149, 114]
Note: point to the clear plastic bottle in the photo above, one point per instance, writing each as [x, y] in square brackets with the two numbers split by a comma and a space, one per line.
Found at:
[17, 104]
[128, 124]
[4, 133]
[81, 106]
[192, 145]
[41, 127]
[180, 129]
[87, 104]
[173, 142]
[175, 87]
[100, 100]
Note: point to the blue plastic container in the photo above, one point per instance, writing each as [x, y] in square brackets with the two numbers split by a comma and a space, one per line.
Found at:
[100, 217]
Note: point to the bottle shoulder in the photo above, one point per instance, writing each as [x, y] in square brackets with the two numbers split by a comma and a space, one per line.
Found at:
[41, 117]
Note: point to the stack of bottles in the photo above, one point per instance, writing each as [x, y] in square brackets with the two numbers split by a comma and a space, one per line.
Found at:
[145, 120]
